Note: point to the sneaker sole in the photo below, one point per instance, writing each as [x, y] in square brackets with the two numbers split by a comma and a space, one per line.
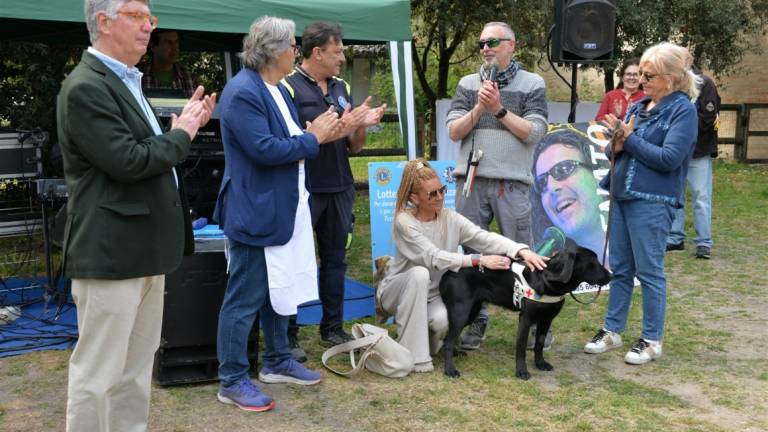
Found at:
[228, 401]
[638, 362]
[602, 350]
[283, 379]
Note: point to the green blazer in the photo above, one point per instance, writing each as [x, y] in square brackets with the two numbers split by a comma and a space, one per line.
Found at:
[126, 216]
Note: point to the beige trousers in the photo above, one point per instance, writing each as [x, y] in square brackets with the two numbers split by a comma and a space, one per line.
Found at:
[110, 370]
[422, 323]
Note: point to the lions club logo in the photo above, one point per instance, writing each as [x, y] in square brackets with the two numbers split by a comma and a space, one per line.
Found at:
[383, 176]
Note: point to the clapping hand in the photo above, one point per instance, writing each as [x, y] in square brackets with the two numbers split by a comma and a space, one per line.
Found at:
[195, 113]
[620, 131]
[326, 126]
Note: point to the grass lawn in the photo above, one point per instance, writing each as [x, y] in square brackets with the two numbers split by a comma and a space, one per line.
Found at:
[713, 376]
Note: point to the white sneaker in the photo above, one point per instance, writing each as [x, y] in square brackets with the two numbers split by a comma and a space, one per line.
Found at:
[603, 341]
[642, 352]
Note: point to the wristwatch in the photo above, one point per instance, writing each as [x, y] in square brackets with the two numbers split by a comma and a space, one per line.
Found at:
[502, 112]
[475, 260]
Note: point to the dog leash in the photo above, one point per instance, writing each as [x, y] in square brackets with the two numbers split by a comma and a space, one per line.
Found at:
[616, 134]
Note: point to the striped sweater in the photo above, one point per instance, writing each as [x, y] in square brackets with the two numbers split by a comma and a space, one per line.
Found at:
[504, 155]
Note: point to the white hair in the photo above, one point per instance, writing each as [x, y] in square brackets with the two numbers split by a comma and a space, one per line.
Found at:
[507, 29]
[92, 7]
[267, 37]
[675, 62]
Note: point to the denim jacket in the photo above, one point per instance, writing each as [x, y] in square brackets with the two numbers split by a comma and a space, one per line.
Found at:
[655, 159]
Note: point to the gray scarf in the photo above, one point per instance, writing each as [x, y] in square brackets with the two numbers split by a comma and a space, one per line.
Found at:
[503, 77]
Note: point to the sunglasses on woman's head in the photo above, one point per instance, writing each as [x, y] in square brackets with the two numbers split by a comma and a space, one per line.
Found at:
[432, 195]
[560, 171]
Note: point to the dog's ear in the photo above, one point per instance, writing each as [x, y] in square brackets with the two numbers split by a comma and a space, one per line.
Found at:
[563, 268]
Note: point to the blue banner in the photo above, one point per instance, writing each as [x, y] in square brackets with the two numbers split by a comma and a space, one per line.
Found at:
[383, 182]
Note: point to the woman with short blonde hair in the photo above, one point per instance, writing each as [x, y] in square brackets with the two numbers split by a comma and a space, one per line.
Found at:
[650, 153]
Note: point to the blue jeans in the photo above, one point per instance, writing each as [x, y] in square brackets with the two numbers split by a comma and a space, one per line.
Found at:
[639, 230]
[700, 181]
[248, 294]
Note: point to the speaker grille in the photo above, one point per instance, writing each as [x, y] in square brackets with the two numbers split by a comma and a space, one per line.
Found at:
[589, 30]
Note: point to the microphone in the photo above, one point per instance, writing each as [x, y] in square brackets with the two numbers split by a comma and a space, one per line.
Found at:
[552, 240]
[492, 66]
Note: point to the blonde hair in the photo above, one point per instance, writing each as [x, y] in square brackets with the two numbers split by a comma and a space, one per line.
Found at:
[675, 62]
[415, 173]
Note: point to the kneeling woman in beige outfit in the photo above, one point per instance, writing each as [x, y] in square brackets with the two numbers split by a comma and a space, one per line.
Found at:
[427, 238]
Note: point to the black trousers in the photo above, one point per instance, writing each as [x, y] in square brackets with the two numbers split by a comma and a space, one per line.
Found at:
[332, 221]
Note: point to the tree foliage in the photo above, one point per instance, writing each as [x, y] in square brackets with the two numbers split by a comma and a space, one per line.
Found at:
[718, 33]
[445, 33]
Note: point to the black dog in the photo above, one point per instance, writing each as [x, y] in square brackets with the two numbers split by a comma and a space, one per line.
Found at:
[464, 291]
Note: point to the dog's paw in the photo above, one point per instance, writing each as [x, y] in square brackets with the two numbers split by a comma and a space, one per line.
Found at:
[542, 365]
[523, 375]
[452, 373]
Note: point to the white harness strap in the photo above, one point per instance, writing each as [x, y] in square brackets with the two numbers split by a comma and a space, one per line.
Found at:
[523, 290]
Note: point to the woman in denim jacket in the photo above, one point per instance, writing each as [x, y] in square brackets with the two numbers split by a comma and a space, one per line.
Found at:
[650, 166]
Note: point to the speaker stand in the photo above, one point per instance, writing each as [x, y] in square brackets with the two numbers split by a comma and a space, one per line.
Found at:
[574, 95]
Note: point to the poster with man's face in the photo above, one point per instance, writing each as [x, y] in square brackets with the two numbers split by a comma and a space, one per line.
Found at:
[566, 200]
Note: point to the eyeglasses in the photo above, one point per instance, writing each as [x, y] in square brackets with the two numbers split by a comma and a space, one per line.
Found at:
[296, 49]
[631, 75]
[560, 171]
[141, 17]
[648, 76]
[492, 43]
[432, 195]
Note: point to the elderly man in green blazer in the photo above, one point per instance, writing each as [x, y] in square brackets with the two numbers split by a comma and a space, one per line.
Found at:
[127, 223]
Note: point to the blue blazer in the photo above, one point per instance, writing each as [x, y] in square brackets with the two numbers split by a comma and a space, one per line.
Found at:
[259, 192]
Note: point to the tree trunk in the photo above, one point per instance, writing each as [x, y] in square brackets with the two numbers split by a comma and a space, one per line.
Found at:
[608, 78]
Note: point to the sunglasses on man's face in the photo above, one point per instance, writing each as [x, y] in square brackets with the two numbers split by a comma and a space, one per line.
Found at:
[560, 171]
[492, 42]
[432, 195]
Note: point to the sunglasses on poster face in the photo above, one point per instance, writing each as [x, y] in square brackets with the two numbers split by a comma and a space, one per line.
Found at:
[492, 42]
[560, 171]
[432, 195]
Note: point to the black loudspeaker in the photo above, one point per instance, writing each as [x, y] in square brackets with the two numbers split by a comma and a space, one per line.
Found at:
[585, 31]
[193, 296]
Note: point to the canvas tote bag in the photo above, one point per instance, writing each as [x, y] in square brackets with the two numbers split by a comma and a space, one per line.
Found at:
[379, 353]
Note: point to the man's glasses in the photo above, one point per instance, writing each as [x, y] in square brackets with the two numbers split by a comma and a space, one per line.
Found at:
[560, 171]
[141, 17]
[648, 76]
[432, 195]
[492, 43]
[296, 49]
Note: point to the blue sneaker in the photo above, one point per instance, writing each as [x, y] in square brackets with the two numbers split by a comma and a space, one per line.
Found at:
[246, 395]
[289, 371]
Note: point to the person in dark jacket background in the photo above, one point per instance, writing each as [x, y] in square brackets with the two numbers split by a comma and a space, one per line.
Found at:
[699, 177]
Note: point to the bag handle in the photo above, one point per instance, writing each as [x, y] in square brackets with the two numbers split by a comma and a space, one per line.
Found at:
[367, 342]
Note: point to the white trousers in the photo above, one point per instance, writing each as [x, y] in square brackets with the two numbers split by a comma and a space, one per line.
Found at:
[422, 323]
[110, 370]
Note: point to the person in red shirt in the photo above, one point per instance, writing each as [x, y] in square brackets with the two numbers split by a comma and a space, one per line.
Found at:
[628, 92]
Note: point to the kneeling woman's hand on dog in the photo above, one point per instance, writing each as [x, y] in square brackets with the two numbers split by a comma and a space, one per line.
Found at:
[495, 262]
[533, 260]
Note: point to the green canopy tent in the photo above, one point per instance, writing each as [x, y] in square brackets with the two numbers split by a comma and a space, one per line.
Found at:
[219, 25]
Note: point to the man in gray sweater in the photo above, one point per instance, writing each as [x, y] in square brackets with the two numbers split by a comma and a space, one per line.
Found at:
[501, 111]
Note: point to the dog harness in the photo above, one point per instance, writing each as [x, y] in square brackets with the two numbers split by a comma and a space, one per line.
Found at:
[523, 290]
